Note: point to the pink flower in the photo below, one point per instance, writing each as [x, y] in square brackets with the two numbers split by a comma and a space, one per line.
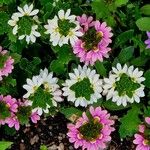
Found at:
[8, 64]
[11, 103]
[148, 40]
[13, 122]
[85, 22]
[93, 45]
[147, 120]
[35, 117]
[141, 140]
[91, 133]
[2, 122]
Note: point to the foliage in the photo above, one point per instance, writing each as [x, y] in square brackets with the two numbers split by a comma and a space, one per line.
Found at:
[4, 145]
[130, 122]
[129, 21]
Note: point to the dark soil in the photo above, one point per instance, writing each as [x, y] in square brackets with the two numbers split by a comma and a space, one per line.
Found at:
[52, 133]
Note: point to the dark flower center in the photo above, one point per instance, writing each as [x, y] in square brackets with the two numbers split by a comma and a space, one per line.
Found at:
[147, 136]
[126, 86]
[91, 130]
[91, 39]
[41, 98]
[83, 88]
[65, 26]
[3, 59]
[23, 114]
[4, 110]
[25, 25]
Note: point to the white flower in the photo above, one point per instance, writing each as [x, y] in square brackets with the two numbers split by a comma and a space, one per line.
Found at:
[32, 36]
[48, 84]
[83, 83]
[32, 85]
[60, 29]
[27, 11]
[51, 84]
[16, 17]
[124, 85]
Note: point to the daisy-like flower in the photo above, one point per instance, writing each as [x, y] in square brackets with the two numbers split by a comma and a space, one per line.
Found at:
[142, 138]
[93, 45]
[43, 91]
[91, 133]
[147, 42]
[8, 105]
[124, 85]
[84, 86]
[63, 28]
[6, 63]
[24, 23]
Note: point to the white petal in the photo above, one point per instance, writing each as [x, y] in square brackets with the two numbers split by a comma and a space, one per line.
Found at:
[15, 30]
[21, 37]
[61, 14]
[34, 12]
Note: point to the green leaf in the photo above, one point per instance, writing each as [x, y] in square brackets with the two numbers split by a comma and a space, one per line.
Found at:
[11, 36]
[113, 106]
[43, 147]
[124, 37]
[3, 22]
[71, 113]
[8, 86]
[65, 55]
[139, 61]
[143, 23]
[147, 79]
[17, 47]
[126, 54]
[119, 3]
[100, 8]
[130, 122]
[4, 145]
[145, 9]
[57, 67]
[100, 68]
[6, 1]
[28, 66]
[16, 57]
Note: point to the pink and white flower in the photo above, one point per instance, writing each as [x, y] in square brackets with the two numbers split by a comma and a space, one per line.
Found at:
[93, 45]
[8, 64]
[99, 124]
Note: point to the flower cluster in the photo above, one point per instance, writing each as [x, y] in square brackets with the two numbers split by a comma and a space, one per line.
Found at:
[43, 91]
[91, 132]
[142, 139]
[124, 85]
[12, 111]
[6, 63]
[93, 45]
[25, 23]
